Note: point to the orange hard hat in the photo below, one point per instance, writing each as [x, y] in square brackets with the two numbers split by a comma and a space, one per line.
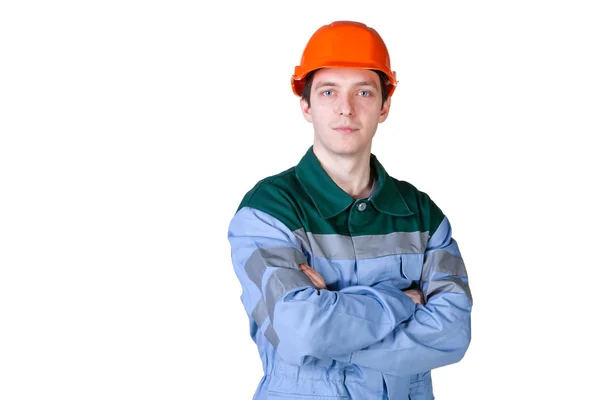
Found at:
[344, 44]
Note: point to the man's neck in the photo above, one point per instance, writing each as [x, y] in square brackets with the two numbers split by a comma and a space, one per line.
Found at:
[352, 173]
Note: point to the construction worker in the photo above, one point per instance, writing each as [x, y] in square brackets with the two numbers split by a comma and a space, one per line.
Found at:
[351, 280]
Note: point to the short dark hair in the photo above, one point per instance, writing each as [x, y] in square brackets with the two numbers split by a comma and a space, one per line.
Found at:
[383, 79]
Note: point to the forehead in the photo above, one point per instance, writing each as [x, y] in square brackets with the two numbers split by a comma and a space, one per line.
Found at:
[345, 76]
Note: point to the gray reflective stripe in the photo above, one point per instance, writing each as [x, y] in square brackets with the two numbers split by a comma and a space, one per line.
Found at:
[257, 263]
[274, 257]
[443, 262]
[332, 247]
[272, 336]
[372, 246]
[259, 314]
[451, 284]
[288, 276]
[255, 270]
[342, 247]
[280, 282]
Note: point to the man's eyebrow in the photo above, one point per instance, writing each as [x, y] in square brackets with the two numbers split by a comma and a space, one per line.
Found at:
[333, 84]
[322, 84]
[366, 83]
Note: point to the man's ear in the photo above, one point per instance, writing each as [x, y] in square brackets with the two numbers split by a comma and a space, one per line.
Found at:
[385, 110]
[305, 110]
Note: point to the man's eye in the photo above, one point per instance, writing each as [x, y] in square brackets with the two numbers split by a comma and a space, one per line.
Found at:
[364, 93]
[327, 92]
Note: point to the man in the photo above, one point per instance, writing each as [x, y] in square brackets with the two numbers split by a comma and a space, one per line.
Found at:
[351, 280]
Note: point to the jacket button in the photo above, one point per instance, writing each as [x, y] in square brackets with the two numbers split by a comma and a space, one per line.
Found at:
[362, 206]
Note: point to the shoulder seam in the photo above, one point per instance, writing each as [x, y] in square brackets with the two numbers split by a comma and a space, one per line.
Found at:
[280, 176]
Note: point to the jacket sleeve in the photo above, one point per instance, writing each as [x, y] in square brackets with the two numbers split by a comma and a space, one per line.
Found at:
[439, 332]
[297, 319]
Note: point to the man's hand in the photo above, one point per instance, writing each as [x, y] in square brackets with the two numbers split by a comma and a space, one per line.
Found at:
[314, 276]
[416, 295]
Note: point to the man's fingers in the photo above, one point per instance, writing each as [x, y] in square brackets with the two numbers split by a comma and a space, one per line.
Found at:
[314, 276]
[416, 295]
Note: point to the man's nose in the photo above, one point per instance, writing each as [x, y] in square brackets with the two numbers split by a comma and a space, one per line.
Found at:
[345, 105]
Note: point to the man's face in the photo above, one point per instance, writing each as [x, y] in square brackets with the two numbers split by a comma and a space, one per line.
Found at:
[345, 109]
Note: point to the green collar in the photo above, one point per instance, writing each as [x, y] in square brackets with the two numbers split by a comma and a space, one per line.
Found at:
[331, 200]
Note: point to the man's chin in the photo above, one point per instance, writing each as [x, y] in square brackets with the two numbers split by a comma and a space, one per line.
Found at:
[347, 151]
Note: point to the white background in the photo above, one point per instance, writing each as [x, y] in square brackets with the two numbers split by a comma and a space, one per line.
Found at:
[130, 130]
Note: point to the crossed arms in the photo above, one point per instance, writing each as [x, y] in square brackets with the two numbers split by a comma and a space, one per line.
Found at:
[318, 282]
[378, 327]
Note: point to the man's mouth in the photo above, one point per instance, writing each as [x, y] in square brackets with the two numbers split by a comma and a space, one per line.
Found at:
[345, 129]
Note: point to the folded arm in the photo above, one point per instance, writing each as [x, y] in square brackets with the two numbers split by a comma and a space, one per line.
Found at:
[298, 319]
[439, 332]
